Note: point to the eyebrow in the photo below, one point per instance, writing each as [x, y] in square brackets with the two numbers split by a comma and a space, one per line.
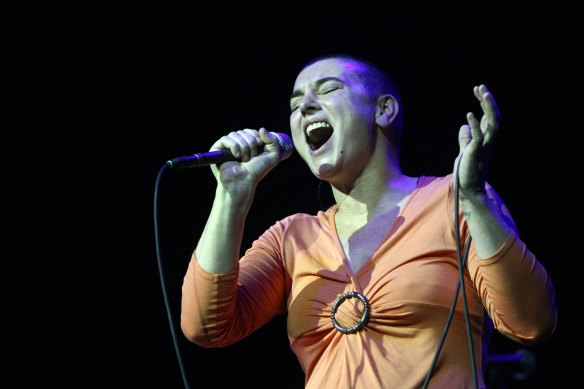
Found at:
[317, 83]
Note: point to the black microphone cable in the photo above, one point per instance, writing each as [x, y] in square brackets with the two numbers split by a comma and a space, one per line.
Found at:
[459, 286]
[162, 281]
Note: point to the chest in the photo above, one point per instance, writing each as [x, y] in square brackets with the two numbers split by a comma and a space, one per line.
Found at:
[360, 241]
[406, 278]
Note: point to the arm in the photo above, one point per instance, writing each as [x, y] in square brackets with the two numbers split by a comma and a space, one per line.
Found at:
[219, 246]
[488, 228]
[513, 285]
[220, 309]
[218, 249]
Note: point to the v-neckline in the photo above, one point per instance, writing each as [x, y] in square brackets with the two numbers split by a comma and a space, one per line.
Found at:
[394, 226]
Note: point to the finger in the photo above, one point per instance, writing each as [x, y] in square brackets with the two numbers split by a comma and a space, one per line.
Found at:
[226, 142]
[250, 140]
[242, 145]
[488, 103]
[271, 142]
[479, 92]
[464, 138]
[490, 124]
[490, 106]
[256, 138]
[475, 128]
[269, 139]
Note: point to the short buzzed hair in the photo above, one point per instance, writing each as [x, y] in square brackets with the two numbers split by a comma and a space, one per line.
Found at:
[376, 82]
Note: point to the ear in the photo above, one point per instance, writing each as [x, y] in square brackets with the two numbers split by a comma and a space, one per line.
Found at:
[386, 111]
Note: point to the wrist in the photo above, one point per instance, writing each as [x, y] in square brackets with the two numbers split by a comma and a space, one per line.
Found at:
[233, 203]
[474, 200]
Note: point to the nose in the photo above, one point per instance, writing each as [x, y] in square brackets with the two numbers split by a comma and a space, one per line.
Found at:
[308, 105]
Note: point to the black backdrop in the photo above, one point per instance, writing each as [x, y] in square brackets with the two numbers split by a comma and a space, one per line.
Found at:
[98, 97]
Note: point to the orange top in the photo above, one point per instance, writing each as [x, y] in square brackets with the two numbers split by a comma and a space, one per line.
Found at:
[298, 266]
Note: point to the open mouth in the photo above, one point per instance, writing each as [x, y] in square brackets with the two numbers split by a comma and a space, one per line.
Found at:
[317, 134]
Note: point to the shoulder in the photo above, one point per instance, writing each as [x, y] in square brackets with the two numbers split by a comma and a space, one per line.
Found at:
[431, 186]
[301, 226]
[302, 222]
[443, 188]
[434, 181]
[293, 233]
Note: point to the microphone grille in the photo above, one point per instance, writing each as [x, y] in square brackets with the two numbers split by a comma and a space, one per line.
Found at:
[286, 145]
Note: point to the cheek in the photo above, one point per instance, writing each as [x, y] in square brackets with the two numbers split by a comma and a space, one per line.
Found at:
[295, 129]
[298, 147]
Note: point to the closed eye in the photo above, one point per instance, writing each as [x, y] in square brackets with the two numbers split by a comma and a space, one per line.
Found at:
[330, 86]
[329, 90]
[323, 86]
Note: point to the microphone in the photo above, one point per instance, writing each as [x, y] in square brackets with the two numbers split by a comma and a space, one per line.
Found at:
[218, 157]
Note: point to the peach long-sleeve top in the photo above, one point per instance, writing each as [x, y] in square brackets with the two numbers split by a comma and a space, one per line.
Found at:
[298, 267]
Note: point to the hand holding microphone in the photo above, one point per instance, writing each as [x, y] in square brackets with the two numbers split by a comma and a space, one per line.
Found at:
[242, 149]
[241, 159]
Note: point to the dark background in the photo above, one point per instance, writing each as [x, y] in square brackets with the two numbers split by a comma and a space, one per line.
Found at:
[98, 97]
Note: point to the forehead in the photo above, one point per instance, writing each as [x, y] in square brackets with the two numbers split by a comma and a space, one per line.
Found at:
[332, 67]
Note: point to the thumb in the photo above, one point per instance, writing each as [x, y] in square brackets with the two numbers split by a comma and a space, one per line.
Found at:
[464, 137]
[270, 140]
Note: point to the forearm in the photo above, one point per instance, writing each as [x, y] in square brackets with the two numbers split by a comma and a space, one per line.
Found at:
[217, 254]
[208, 305]
[517, 292]
[514, 286]
[218, 249]
[220, 307]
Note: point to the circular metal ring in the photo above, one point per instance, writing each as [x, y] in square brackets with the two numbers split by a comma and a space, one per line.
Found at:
[364, 318]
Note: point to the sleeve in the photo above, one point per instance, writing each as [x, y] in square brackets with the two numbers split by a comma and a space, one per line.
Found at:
[221, 309]
[514, 287]
[516, 292]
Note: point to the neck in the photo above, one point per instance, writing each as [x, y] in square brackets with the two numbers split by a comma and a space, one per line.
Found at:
[379, 188]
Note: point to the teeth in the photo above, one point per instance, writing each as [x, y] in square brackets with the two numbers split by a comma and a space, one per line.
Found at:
[316, 125]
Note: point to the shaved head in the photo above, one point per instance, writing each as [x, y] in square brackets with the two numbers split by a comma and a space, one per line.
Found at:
[376, 82]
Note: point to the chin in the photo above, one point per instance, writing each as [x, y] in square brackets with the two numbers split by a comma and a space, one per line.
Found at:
[326, 171]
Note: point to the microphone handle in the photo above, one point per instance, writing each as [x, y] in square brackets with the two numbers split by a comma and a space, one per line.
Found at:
[202, 159]
[218, 157]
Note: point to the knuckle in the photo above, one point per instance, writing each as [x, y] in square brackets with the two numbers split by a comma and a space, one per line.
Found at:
[225, 140]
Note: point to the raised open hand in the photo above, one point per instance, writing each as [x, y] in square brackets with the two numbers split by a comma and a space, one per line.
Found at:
[476, 141]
